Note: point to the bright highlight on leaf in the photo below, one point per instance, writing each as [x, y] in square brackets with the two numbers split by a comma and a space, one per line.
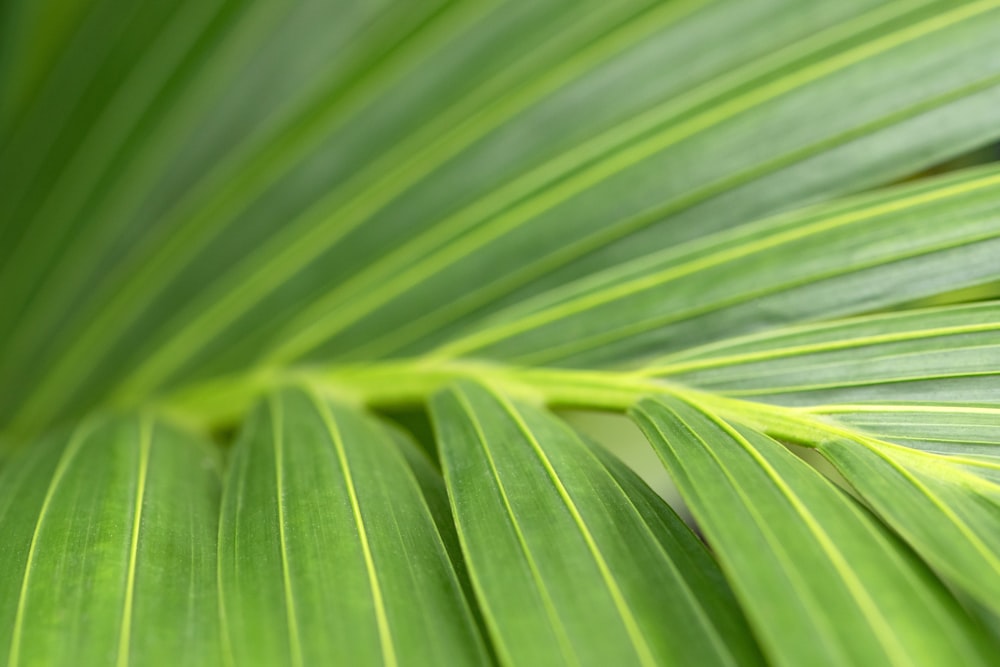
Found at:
[292, 295]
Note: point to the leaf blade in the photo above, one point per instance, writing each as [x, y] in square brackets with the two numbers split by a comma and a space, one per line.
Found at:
[948, 515]
[785, 269]
[185, 305]
[371, 581]
[783, 517]
[607, 607]
[943, 356]
[96, 566]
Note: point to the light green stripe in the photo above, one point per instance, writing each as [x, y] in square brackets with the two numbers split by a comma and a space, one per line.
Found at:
[788, 568]
[814, 348]
[895, 651]
[291, 615]
[73, 447]
[125, 635]
[565, 645]
[382, 620]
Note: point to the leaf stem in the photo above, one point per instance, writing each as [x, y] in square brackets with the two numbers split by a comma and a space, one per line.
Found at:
[411, 382]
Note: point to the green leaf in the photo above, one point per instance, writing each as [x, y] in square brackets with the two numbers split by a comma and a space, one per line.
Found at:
[940, 429]
[163, 176]
[820, 580]
[689, 166]
[435, 494]
[108, 550]
[544, 140]
[498, 206]
[944, 356]
[573, 560]
[226, 155]
[948, 514]
[328, 552]
[854, 256]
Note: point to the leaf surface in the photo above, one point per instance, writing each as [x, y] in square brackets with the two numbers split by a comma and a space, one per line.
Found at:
[573, 559]
[348, 212]
[946, 356]
[845, 258]
[108, 554]
[939, 429]
[822, 582]
[947, 512]
[328, 550]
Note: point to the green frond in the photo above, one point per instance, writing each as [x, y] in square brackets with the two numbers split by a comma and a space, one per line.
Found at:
[293, 297]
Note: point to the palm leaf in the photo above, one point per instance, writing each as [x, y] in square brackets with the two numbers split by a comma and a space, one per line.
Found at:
[109, 537]
[943, 508]
[878, 251]
[353, 255]
[178, 298]
[939, 429]
[369, 582]
[775, 523]
[942, 356]
[570, 567]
